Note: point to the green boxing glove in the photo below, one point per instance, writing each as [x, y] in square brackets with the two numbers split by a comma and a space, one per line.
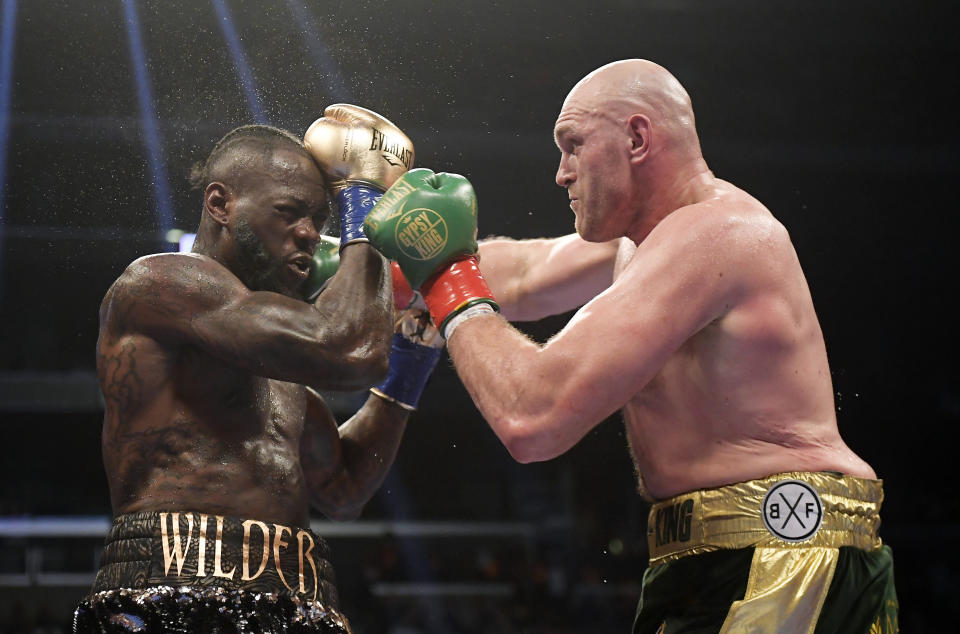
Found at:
[326, 261]
[427, 223]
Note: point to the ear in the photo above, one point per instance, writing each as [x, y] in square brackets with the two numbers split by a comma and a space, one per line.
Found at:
[215, 198]
[640, 133]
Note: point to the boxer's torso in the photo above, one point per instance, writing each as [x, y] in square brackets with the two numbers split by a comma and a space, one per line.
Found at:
[748, 395]
[184, 430]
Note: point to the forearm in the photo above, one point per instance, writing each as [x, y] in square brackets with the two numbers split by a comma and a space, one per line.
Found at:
[368, 446]
[520, 388]
[357, 312]
[533, 279]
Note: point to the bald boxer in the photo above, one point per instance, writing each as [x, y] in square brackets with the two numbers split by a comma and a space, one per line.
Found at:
[215, 439]
[698, 325]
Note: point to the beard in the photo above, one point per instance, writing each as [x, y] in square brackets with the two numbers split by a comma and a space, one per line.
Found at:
[256, 268]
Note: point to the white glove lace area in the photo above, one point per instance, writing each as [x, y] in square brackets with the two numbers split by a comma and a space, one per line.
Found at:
[414, 324]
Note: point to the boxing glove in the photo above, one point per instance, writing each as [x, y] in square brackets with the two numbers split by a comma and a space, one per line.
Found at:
[363, 154]
[414, 352]
[326, 261]
[427, 223]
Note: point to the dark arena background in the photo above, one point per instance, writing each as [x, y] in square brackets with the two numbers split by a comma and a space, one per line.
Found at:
[840, 116]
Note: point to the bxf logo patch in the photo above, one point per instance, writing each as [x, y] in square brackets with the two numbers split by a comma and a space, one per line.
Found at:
[792, 511]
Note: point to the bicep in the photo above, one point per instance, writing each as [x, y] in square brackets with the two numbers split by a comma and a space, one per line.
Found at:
[532, 279]
[619, 341]
[197, 302]
[320, 450]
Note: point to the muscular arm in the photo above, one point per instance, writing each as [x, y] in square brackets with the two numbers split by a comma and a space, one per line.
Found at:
[541, 400]
[532, 279]
[343, 468]
[341, 342]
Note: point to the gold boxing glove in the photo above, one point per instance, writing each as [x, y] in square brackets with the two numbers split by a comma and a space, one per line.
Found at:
[354, 145]
[362, 154]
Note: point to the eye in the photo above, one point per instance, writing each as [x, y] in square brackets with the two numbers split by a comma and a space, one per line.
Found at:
[290, 214]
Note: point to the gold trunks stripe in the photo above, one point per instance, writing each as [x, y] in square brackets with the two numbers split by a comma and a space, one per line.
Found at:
[844, 512]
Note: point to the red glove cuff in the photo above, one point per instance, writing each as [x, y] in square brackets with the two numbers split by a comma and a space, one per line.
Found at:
[454, 288]
[402, 293]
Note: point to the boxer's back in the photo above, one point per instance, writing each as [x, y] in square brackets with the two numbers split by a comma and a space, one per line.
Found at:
[750, 393]
[186, 431]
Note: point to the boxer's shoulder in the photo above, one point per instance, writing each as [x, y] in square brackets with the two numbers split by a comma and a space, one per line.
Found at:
[175, 277]
[170, 267]
[157, 292]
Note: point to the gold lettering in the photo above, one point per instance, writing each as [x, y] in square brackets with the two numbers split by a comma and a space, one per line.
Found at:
[429, 242]
[217, 570]
[176, 552]
[202, 547]
[406, 236]
[246, 549]
[313, 566]
[394, 195]
[423, 223]
[277, 543]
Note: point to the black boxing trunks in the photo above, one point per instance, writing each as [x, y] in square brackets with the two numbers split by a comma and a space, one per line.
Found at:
[794, 552]
[196, 572]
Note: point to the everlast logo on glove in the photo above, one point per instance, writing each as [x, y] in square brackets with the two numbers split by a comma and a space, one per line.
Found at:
[391, 200]
[391, 145]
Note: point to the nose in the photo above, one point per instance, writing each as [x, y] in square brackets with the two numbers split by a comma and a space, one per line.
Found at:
[307, 234]
[565, 172]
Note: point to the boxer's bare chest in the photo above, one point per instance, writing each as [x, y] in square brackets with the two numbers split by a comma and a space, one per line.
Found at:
[215, 437]
[242, 402]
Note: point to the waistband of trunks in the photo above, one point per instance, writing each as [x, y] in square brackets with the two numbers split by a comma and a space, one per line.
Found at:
[185, 548]
[788, 510]
[210, 609]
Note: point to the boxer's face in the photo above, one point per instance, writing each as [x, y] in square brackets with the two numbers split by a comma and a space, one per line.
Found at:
[595, 170]
[278, 214]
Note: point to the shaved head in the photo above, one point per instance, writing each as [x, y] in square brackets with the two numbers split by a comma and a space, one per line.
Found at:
[628, 144]
[637, 86]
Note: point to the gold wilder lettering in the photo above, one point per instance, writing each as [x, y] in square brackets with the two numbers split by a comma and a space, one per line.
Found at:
[316, 583]
[176, 552]
[202, 547]
[277, 543]
[217, 571]
[246, 549]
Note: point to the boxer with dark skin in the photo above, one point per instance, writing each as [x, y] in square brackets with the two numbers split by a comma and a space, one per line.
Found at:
[216, 441]
[205, 359]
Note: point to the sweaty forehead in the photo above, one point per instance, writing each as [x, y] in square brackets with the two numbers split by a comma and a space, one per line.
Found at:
[289, 165]
[283, 172]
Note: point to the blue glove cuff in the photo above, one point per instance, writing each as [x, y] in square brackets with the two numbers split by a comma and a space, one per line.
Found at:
[410, 366]
[356, 201]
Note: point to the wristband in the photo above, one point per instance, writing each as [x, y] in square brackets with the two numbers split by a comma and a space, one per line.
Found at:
[468, 313]
[355, 201]
[457, 287]
[410, 366]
